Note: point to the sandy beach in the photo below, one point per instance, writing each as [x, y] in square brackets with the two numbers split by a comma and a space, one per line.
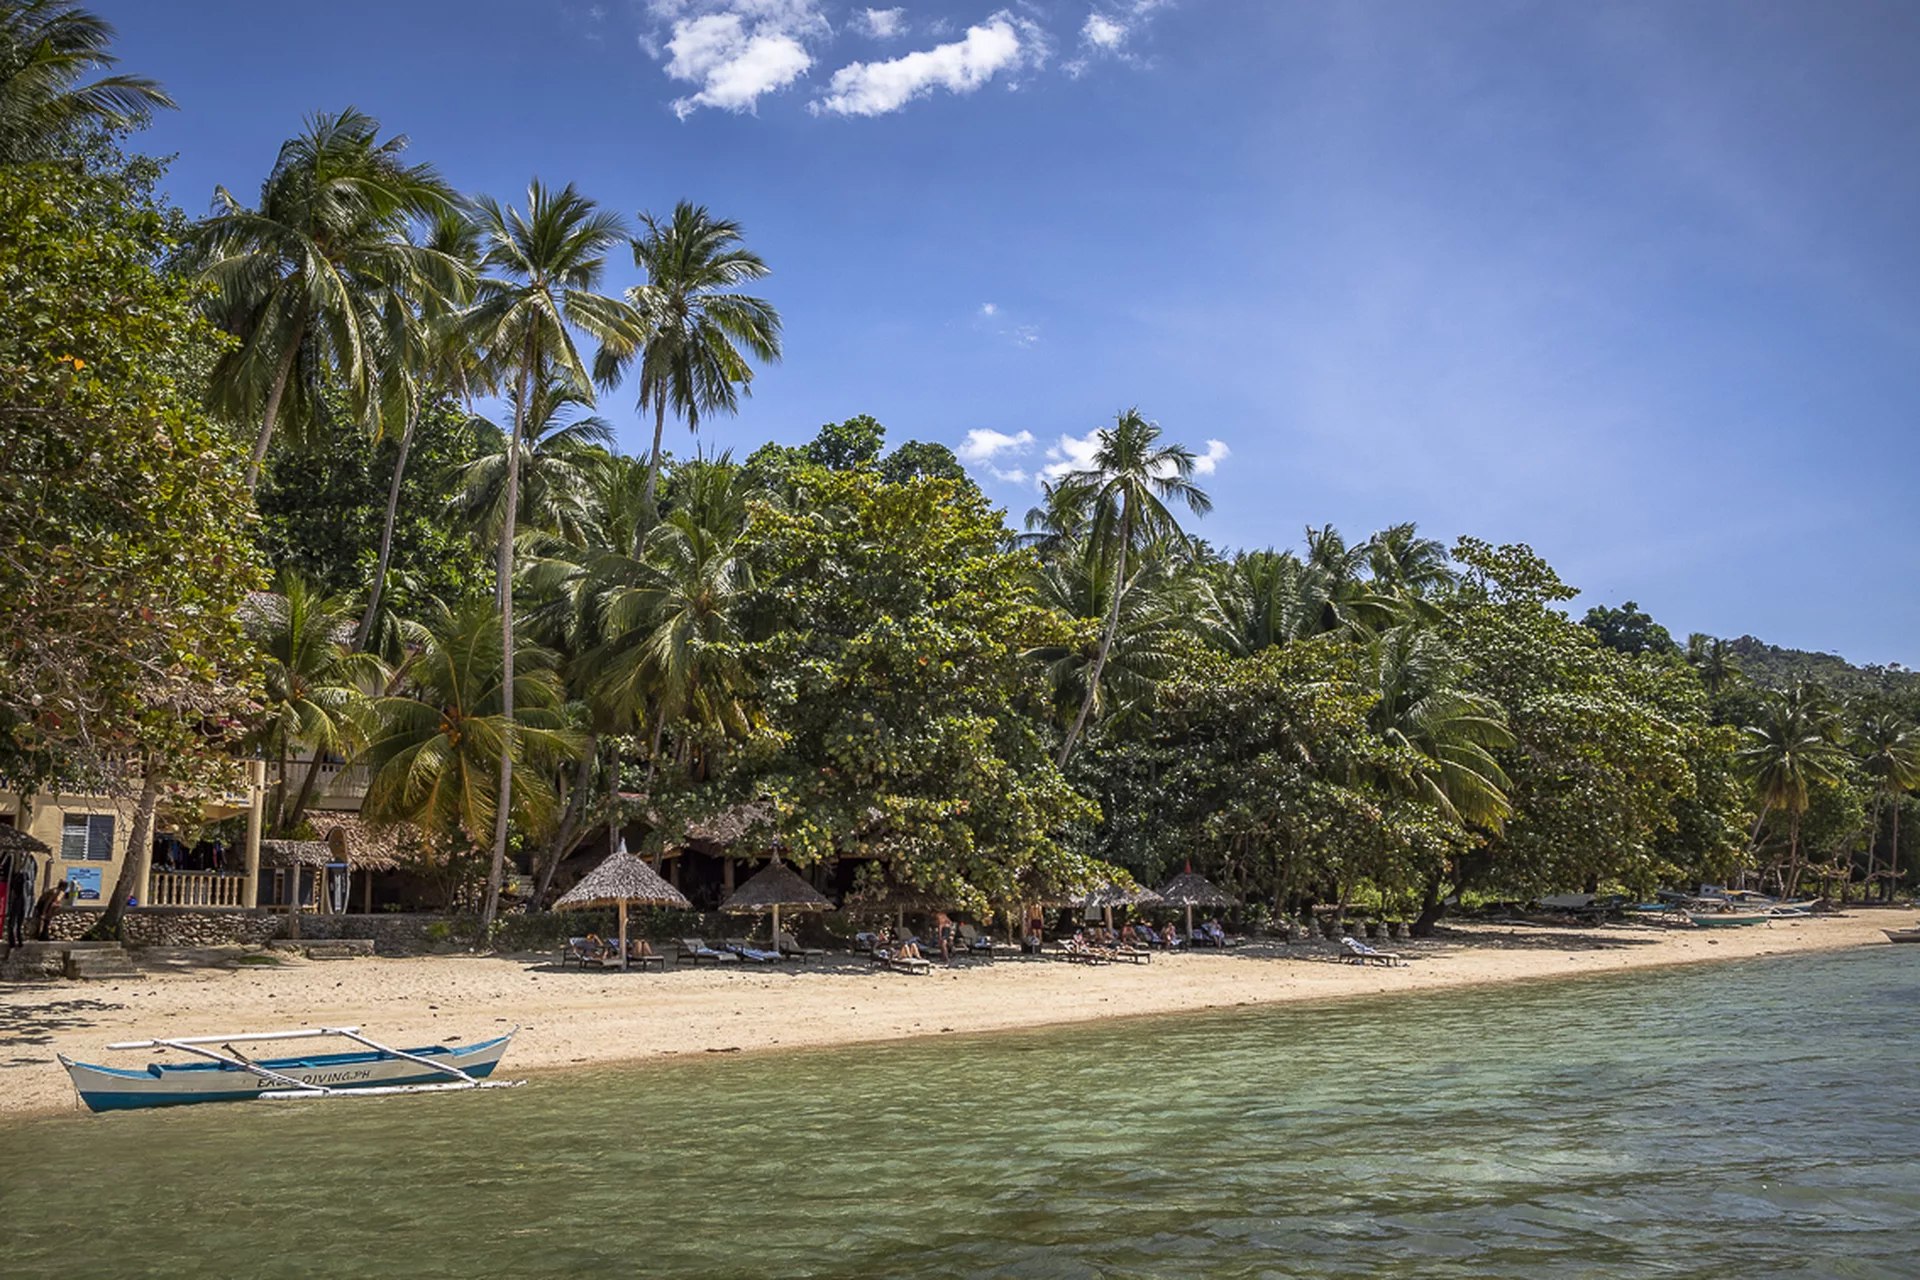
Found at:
[572, 1017]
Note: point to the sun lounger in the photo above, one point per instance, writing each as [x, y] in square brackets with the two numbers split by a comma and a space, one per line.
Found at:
[752, 954]
[582, 952]
[975, 943]
[696, 950]
[888, 958]
[790, 948]
[1132, 953]
[636, 958]
[1358, 952]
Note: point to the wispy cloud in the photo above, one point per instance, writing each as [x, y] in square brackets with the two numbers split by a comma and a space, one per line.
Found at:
[881, 24]
[1002, 45]
[983, 444]
[1109, 30]
[992, 318]
[735, 51]
[989, 309]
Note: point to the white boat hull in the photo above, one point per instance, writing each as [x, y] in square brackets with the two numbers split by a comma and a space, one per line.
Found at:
[167, 1084]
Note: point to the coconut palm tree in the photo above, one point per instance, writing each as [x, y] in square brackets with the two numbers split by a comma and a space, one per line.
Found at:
[1713, 661]
[1339, 596]
[316, 683]
[691, 334]
[1263, 601]
[425, 352]
[542, 266]
[310, 269]
[1794, 747]
[1888, 748]
[1422, 706]
[1158, 606]
[1130, 481]
[1402, 562]
[560, 451]
[434, 750]
[47, 47]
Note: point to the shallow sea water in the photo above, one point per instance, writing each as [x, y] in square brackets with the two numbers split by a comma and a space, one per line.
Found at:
[1759, 1118]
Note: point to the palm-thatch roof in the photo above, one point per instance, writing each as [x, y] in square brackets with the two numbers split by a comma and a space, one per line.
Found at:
[296, 853]
[776, 885]
[362, 845]
[1192, 890]
[14, 840]
[1115, 895]
[622, 877]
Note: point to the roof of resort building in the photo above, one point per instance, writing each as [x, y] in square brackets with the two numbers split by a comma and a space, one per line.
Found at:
[296, 853]
[360, 843]
[622, 877]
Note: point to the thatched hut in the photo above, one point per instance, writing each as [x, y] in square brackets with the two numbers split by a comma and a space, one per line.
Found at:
[621, 881]
[773, 887]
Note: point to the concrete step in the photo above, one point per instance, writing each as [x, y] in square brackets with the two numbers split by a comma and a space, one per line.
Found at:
[99, 961]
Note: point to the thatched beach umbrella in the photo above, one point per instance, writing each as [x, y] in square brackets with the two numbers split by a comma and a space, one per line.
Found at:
[1109, 896]
[15, 841]
[1190, 890]
[621, 881]
[773, 887]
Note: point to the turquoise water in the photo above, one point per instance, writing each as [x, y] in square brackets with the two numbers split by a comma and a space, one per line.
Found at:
[1751, 1119]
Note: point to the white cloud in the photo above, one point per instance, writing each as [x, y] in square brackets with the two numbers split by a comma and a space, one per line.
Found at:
[881, 24]
[736, 51]
[1072, 453]
[989, 309]
[1209, 462]
[1103, 32]
[1109, 26]
[1002, 43]
[983, 444]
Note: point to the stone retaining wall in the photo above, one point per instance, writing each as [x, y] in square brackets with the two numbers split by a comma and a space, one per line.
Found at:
[392, 931]
[192, 927]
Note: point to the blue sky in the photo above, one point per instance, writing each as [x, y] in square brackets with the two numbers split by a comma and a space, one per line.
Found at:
[1635, 284]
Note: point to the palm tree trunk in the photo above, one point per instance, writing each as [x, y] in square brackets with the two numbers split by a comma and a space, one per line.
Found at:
[1893, 852]
[653, 460]
[139, 850]
[365, 633]
[288, 819]
[1873, 840]
[1106, 640]
[569, 828]
[281, 373]
[497, 872]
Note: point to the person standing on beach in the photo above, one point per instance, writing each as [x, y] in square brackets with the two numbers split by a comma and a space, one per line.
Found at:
[19, 889]
[43, 911]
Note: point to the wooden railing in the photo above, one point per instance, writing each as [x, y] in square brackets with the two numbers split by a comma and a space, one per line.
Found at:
[195, 889]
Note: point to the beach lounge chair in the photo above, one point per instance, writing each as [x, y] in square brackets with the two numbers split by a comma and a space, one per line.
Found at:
[790, 948]
[864, 941]
[750, 953]
[696, 950]
[582, 952]
[1358, 952]
[975, 943]
[636, 958]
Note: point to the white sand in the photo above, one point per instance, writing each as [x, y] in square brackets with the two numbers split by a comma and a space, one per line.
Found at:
[593, 1017]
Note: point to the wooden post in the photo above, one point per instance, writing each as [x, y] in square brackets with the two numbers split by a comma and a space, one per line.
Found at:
[623, 933]
[366, 894]
[256, 810]
[726, 877]
[776, 926]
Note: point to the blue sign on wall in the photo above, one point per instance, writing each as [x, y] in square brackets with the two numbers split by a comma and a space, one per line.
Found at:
[85, 882]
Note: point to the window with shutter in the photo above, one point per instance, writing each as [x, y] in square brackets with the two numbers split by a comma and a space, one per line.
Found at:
[87, 837]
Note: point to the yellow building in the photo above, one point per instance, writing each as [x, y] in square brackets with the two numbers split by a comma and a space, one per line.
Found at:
[88, 835]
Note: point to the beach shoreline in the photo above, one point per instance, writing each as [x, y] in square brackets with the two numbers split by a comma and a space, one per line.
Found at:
[569, 1018]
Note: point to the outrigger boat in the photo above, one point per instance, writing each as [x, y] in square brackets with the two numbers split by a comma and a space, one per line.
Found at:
[229, 1075]
[1902, 935]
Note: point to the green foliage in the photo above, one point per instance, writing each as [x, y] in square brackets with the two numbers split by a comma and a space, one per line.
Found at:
[893, 629]
[48, 108]
[321, 511]
[124, 548]
[1629, 630]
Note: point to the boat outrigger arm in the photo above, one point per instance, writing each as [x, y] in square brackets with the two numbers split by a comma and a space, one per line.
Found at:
[293, 1087]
